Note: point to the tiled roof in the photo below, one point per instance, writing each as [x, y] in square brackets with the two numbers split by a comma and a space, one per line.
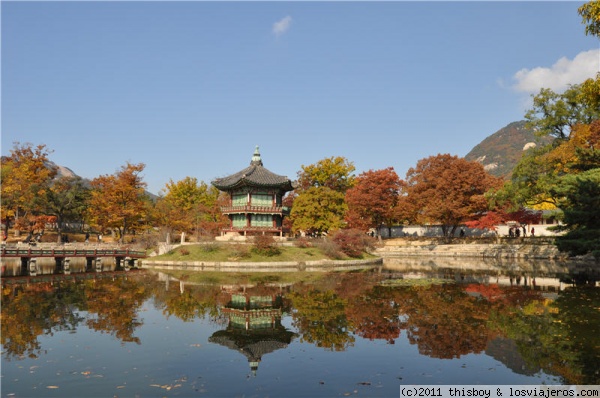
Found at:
[254, 175]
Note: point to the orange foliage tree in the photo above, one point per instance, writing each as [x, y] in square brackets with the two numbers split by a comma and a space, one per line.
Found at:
[25, 180]
[373, 199]
[448, 190]
[119, 201]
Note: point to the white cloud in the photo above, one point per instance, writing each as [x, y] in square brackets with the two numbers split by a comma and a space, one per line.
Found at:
[282, 26]
[560, 75]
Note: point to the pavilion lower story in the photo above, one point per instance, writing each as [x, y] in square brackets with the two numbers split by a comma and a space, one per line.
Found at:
[252, 224]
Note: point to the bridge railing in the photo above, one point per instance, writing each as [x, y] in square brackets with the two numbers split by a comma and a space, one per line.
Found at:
[70, 252]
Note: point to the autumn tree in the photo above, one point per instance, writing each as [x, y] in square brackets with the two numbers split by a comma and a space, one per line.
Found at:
[448, 190]
[372, 201]
[25, 180]
[334, 173]
[320, 205]
[119, 201]
[590, 15]
[189, 205]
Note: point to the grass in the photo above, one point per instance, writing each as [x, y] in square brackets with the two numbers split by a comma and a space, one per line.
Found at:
[240, 252]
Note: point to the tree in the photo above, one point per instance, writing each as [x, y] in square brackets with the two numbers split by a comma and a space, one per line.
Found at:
[119, 201]
[66, 199]
[448, 190]
[590, 14]
[580, 202]
[334, 173]
[555, 114]
[318, 210]
[372, 201]
[320, 205]
[189, 205]
[569, 118]
[25, 180]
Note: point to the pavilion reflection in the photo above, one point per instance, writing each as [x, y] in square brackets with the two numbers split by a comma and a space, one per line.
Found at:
[254, 325]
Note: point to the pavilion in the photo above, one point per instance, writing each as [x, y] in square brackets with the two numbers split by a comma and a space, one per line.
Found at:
[255, 200]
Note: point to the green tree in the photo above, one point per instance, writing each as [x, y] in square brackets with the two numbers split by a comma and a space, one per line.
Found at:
[66, 199]
[570, 117]
[580, 202]
[318, 210]
[334, 173]
[320, 202]
[321, 319]
[119, 201]
[448, 190]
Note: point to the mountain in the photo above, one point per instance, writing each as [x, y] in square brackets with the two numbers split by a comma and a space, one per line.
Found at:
[61, 171]
[500, 152]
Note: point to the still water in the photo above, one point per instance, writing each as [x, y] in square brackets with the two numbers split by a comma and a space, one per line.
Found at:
[141, 334]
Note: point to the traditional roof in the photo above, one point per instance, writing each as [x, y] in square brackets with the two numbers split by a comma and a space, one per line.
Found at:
[255, 175]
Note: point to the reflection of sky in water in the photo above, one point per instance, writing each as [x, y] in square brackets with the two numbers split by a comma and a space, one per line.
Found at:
[176, 359]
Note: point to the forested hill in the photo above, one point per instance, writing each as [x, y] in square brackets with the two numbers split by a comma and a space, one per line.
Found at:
[500, 152]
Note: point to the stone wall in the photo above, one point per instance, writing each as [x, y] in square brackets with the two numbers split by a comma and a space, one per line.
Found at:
[496, 248]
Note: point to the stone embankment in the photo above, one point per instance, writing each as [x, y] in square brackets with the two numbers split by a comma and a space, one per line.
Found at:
[515, 248]
[274, 266]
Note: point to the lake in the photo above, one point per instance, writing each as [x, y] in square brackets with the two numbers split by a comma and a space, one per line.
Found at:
[142, 334]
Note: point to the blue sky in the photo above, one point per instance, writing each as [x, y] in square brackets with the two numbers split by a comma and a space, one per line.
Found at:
[190, 88]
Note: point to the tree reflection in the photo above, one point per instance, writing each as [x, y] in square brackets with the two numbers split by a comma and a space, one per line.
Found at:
[30, 311]
[555, 331]
[443, 320]
[321, 319]
[374, 315]
[560, 336]
[113, 305]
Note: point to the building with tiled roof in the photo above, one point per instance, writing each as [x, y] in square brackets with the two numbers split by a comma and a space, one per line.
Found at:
[255, 199]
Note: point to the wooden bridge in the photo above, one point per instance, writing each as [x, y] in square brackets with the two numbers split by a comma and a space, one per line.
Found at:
[125, 258]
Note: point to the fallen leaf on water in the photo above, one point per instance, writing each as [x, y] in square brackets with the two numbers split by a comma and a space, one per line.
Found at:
[52, 387]
[154, 385]
[195, 345]
[87, 372]
[120, 387]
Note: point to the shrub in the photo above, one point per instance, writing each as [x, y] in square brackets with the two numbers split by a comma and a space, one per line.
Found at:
[303, 243]
[184, 252]
[240, 251]
[265, 245]
[353, 242]
[209, 247]
[329, 248]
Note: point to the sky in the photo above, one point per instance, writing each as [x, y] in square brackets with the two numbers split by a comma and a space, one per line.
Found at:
[191, 88]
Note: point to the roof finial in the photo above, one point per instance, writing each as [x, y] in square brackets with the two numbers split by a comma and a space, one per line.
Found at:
[256, 160]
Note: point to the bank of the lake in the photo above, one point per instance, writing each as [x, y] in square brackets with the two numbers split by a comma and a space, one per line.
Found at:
[293, 259]
[240, 258]
[501, 248]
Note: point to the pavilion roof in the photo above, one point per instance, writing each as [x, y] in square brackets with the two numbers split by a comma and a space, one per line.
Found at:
[255, 175]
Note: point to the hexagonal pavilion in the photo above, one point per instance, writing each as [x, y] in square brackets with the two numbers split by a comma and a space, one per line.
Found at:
[255, 199]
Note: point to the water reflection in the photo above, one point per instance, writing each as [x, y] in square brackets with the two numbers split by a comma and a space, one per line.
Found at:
[254, 323]
[527, 316]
